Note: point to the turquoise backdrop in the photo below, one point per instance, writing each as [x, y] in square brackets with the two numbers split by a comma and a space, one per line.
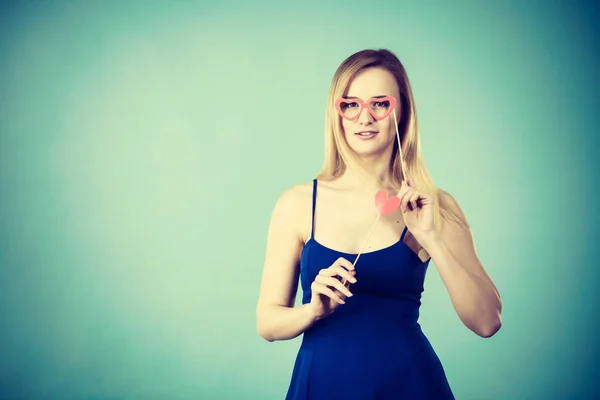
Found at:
[143, 145]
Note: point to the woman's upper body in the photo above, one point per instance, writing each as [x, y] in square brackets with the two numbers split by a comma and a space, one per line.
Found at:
[370, 110]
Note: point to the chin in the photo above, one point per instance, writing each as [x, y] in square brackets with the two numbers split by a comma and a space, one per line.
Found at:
[367, 154]
[369, 147]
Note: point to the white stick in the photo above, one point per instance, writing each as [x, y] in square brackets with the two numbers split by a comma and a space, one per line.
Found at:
[363, 246]
[366, 240]
[399, 147]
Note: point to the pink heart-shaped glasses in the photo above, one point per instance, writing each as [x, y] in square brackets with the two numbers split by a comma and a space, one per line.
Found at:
[379, 107]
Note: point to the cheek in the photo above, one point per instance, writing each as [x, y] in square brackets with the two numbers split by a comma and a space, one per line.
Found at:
[346, 126]
[386, 126]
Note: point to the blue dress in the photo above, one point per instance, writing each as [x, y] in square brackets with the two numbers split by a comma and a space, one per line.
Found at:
[372, 347]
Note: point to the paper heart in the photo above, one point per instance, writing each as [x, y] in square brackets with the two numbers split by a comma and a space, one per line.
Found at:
[384, 204]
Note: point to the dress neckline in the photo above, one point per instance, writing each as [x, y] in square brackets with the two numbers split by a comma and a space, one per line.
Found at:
[387, 248]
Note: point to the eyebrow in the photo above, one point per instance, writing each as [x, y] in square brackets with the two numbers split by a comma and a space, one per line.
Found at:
[372, 97]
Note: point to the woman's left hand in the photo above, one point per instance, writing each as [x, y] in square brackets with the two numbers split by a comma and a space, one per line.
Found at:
[417, 210]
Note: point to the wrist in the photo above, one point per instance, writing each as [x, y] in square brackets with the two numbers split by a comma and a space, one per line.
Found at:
[430, 240]
[310, 312]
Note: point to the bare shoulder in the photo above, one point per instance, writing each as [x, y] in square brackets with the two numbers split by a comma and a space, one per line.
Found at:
[453, 207]
[294, 207]
[443, 194]
[295, 196]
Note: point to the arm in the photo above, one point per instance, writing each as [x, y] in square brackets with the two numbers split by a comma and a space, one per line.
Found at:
[473, 294]
[276, 316]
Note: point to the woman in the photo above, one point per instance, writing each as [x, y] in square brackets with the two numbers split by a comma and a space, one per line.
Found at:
[361, 336]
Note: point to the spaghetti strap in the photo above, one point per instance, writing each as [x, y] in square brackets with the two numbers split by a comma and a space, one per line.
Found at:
[314, 198]
[403, 233]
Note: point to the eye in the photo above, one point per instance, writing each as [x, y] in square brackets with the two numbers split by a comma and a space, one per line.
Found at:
[381, 104]
[346, 106]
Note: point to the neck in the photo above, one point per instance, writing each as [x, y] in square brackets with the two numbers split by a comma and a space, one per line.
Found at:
[377, 177]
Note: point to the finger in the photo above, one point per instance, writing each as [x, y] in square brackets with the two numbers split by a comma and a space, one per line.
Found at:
[405, 198]
[343, 273]
[341, 285]
[425, 198]
[345, 281]
[347, 265]
[413, 200]
[344, 263]
[324, 290]
[333, 282]
[343, 268]
[403, 189]
[336, 270]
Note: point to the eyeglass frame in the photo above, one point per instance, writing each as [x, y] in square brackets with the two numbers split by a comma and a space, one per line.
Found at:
[366, 105]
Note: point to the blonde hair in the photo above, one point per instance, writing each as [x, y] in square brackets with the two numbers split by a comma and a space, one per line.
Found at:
[338, 152]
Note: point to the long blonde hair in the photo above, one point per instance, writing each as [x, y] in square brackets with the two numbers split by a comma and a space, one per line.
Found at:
[338, 153]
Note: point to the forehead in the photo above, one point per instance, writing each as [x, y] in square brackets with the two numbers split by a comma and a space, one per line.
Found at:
[373, 82]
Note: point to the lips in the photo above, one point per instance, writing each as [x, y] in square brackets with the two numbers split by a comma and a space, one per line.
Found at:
[366, 134]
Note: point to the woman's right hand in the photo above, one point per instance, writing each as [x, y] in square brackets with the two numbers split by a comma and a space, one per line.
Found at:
[328, 292]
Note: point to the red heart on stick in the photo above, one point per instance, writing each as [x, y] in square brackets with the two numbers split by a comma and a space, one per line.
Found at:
[384, 204]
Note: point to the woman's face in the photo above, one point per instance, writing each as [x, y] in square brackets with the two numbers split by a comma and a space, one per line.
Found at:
[366, 135]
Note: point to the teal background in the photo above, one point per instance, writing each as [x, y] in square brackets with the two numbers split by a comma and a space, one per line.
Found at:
[143, 145]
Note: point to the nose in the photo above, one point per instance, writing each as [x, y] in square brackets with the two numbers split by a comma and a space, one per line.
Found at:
[365, 116]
